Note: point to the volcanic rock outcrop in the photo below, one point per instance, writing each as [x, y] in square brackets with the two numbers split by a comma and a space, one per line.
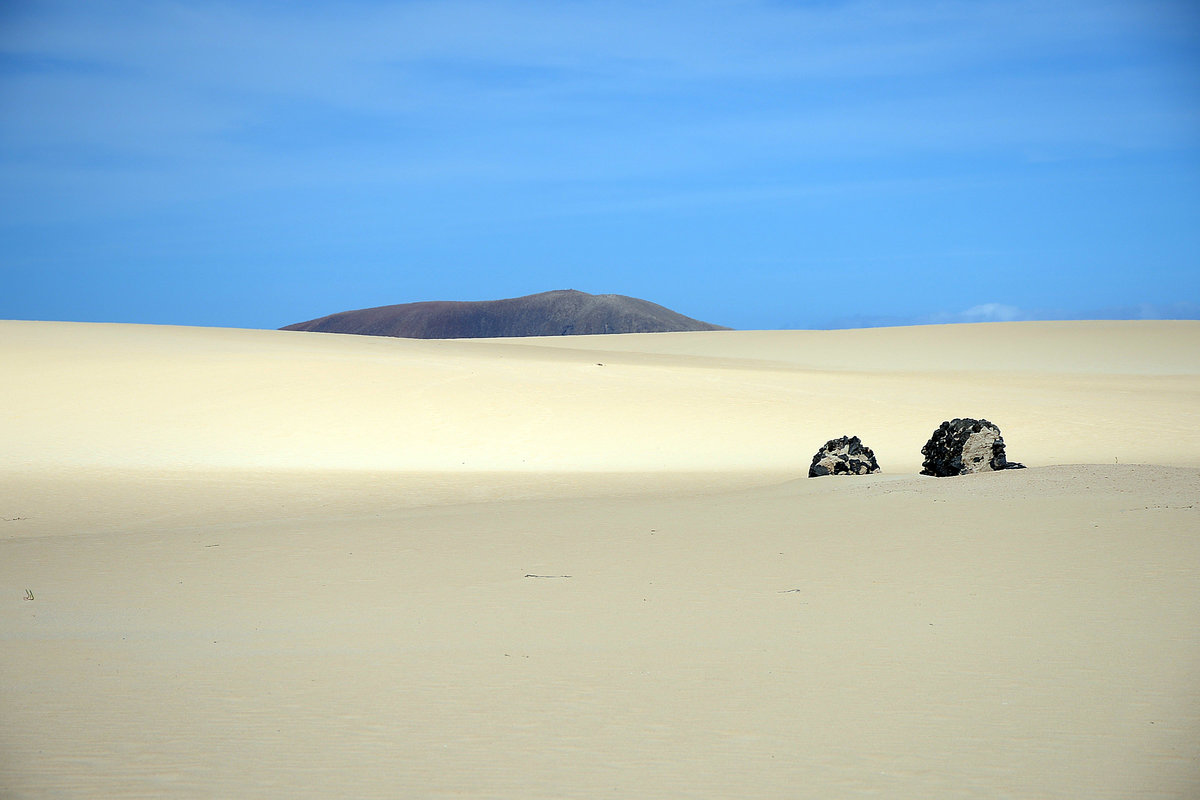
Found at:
[844, 456]
[556, 313]
[965, 446]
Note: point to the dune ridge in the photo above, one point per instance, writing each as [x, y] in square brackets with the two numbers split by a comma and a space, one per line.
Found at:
[160, 397]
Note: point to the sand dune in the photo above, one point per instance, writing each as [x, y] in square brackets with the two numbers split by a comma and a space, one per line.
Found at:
[113, 395]
[281, 564]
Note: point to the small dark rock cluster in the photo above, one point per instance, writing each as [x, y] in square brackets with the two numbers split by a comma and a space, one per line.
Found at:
[957, 447]
[965, 446]
[844, 456]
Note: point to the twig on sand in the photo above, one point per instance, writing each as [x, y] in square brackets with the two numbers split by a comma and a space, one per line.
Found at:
[531, 575]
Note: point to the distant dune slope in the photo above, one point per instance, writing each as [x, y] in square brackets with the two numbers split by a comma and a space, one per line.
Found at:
[157, 396]
[557, 313]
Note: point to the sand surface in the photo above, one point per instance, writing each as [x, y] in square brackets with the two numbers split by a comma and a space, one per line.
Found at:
[282, 564]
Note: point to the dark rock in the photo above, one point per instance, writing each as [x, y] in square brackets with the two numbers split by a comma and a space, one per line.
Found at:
[965, 446]
[844, 456]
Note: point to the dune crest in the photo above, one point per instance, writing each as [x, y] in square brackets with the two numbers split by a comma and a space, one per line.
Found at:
[150, 396]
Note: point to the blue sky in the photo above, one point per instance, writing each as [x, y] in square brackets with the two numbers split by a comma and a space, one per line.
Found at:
[758, 164]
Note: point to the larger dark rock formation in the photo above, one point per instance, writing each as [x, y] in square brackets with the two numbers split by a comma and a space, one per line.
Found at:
[844, 456]
[964, 446]
[547, 314]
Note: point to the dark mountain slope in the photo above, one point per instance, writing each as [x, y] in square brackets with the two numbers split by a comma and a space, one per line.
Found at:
[554, 313]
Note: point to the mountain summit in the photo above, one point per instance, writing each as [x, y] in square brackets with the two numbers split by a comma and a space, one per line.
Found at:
[556, 313]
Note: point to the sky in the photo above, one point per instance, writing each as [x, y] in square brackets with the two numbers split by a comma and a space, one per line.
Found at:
[758, 164]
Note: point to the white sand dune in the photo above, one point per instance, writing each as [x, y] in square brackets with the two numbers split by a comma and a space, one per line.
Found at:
[280, 564]
[136, 396]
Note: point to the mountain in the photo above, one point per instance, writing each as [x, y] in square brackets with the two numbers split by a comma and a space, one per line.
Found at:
[556, 313]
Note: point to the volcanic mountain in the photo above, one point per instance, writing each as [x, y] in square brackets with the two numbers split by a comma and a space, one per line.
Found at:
[556, 313]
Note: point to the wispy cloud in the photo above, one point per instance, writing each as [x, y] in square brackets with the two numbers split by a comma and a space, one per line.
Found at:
[1180, 310]
[806, 82]
[1001, 312]
[984, 312]
[162, 103]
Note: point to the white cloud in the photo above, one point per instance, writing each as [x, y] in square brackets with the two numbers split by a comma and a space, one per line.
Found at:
[990, 312]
